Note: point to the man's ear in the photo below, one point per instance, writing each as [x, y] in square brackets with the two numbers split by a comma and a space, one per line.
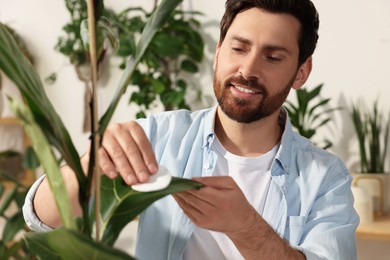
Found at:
[303, 73]
[216, 55]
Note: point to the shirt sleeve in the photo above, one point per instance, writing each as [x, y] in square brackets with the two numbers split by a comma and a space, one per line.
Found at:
[31, 219]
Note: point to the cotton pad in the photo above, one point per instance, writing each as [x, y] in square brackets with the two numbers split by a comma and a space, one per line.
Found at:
[156, 182]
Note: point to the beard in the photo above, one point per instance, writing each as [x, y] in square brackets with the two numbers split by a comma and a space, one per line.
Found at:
[248, 111]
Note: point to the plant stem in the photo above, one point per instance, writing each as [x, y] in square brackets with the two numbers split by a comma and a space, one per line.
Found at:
[94, 121]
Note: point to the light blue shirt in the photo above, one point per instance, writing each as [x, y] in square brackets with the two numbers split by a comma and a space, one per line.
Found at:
[309, 202]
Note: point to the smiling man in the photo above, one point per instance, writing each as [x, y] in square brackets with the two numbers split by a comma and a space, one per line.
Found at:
[269, 193]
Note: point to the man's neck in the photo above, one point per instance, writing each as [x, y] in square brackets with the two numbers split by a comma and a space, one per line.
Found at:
[250, 140]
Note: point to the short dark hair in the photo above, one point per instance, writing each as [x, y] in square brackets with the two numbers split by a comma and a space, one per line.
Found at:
[303, 10]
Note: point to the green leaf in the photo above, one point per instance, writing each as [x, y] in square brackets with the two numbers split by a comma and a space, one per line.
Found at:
[16, 66]
[2, 189]
[48, 160]
[51, 78]
[121, 204]
[30, 159]
[158, 86]
[167, 45]
[7, 200]
[305, 116]
[8, 177]
[189, 66]
[13, 226]
[12, 250]
[155, 22]
[70, 245]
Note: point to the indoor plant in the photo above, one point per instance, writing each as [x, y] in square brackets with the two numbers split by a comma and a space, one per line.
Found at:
[46, 129]
[169, 62]
[310, 113]
[72, 45]
[372, 128]
[12, 194]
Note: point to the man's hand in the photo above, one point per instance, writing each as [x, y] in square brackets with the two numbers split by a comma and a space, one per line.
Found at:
[126, 151]
[219, 206]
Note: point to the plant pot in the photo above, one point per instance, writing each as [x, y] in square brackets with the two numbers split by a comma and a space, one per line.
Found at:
[363, 204]
[377, 186]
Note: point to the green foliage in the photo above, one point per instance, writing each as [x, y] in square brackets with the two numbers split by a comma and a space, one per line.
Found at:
[310, 113]
[12, 195]
[372, 130]
[155, 22]
[68, 244]
[49, 162]
[47, 132]
[73, 43]
[129, 203]
[172, 57]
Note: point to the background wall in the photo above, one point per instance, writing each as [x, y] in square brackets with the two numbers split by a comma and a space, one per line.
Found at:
[352, 59]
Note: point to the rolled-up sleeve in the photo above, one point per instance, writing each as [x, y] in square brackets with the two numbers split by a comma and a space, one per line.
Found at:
[32, 220]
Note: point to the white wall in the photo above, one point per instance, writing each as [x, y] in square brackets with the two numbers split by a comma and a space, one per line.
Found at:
[352, 58]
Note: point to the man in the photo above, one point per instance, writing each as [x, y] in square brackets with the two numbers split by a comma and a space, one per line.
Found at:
[269, 193]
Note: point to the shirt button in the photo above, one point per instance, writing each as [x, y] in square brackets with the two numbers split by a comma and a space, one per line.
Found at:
[206, 166]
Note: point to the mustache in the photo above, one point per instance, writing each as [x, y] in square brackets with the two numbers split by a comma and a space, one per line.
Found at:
[252, 83]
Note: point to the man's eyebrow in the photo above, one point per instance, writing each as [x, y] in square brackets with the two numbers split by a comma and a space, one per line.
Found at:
[273, 47]
[241, 39]
[268, 47]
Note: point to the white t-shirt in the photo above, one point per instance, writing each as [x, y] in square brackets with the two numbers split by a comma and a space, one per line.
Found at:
[253, 176]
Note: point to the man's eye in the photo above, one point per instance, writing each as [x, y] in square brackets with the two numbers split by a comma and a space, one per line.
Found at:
[273, 58]
[237, 50]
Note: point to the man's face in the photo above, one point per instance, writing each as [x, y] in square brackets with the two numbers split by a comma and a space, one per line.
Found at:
[256, 65]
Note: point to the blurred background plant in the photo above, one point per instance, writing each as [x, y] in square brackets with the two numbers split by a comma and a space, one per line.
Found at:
[170, 62]
[372, 131]
[12, 195]
[310, 112]
[74, 45]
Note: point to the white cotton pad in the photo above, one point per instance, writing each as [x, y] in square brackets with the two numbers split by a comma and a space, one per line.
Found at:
[156, 182]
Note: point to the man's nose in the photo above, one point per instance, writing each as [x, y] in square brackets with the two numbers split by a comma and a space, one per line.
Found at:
[251, 67]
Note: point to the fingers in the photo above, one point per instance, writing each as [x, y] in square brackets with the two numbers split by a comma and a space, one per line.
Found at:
[220, 182]
[106, 165]
[146, 150]
[127, 151]
[189, 209]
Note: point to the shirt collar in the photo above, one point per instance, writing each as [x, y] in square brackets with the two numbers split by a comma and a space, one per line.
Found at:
[283, 156]
[209, 133]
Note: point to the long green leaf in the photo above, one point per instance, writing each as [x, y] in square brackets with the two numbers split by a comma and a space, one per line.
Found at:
[121, 204]
[67, 244]
[7, 200]
[17, 67]
[155, 22]
[49, 162]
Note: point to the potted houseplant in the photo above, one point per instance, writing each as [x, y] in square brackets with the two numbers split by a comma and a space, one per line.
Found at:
[169, 63]
[72, 44]
[372, 128]
[46, 130]
[310, 112]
